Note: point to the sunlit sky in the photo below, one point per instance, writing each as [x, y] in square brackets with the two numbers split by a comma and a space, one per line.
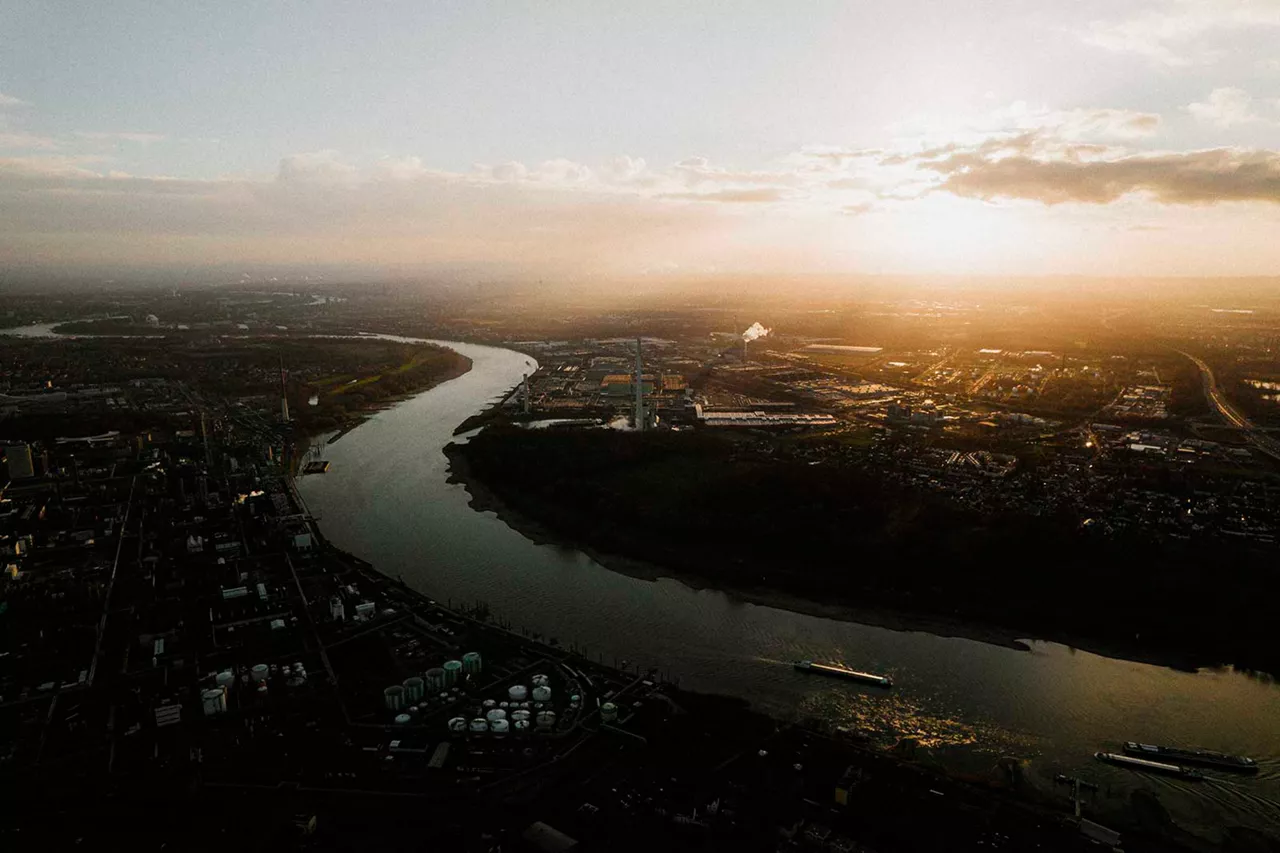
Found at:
[594, 139]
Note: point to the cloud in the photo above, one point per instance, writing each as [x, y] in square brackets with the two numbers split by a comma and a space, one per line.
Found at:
[762, 195]
[697, 171]
[47, 166]
[1179, 32]
[18, 140]
[11, 101]
[858, 209]
[322, 167]
[118, 136]
[1197, 177]
[1225, 108]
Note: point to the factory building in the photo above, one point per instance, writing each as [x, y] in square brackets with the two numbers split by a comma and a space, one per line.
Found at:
[765, 420]
[19, 461]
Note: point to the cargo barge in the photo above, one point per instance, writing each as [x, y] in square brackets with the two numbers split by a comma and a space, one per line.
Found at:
[1148, 765]
[1202, 757]
[837, 671]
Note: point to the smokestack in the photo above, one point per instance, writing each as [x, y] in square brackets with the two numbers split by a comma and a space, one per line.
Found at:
[525, 393]
[639, 413]
[744, 350]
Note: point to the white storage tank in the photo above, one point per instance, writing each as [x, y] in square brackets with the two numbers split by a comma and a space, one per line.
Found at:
[520, 714]
[213, 701]
[608, 712]
[496, 714]
[403, 719]
[225, 680]
[259, 672]
[471, 663]
[546, 720]
[540, 681]
[518, 693]
[435, 680]
[479, 726]
[452, 669]
[542, 694]
[458, 725]
[413, 688]
[521, 725]
[394, 697]
[499, 727]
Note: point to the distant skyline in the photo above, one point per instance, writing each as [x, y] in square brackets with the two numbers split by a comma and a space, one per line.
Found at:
[588, 141]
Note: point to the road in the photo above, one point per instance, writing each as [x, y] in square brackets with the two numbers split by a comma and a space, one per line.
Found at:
[1228, 413]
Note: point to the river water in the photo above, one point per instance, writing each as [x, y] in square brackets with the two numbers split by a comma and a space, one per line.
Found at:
[386, 499]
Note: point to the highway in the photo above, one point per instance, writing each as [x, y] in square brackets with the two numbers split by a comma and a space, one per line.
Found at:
[1228, 413]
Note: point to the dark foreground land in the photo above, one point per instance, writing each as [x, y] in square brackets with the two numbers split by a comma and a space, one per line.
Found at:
[723, 510]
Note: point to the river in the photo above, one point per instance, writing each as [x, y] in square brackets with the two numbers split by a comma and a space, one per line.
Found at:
[387, 499]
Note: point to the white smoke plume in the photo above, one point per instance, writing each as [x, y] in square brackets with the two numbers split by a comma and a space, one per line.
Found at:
[756, 331]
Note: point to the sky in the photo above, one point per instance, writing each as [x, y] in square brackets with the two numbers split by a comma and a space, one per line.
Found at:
[609, 140]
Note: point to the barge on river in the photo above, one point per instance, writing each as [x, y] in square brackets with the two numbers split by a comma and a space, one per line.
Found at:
[836, 671]
[1148, 765]
[1202, 757]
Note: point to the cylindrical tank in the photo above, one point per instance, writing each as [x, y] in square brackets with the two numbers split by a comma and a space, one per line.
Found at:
[435, 680]
[452, 669]
[259, 672]
[496, 714]
[213, 701]
[608, 712]
[542, 694]
[499, 727]
[546, 720]
[403, 719]
[520, 714]
[225, 679]
[518, 693]
[521, 725]
[490, 703]
[413, 688]
[458, 724]
[394, 697]
[471, 663]
[479, 726]
[540, 680]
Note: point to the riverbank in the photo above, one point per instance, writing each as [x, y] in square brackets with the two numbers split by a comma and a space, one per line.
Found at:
[839, 606]
[483, 499]
[460, 366]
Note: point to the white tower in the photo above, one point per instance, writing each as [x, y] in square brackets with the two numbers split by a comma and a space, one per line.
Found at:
[639, 413]
[284, 394]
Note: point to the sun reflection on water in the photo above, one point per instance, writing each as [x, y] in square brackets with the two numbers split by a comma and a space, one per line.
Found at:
[887, 718]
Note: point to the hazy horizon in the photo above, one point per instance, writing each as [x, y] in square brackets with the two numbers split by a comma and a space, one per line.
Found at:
[592, 144]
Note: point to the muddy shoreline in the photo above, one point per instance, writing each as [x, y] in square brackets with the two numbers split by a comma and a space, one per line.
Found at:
[484, 499]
